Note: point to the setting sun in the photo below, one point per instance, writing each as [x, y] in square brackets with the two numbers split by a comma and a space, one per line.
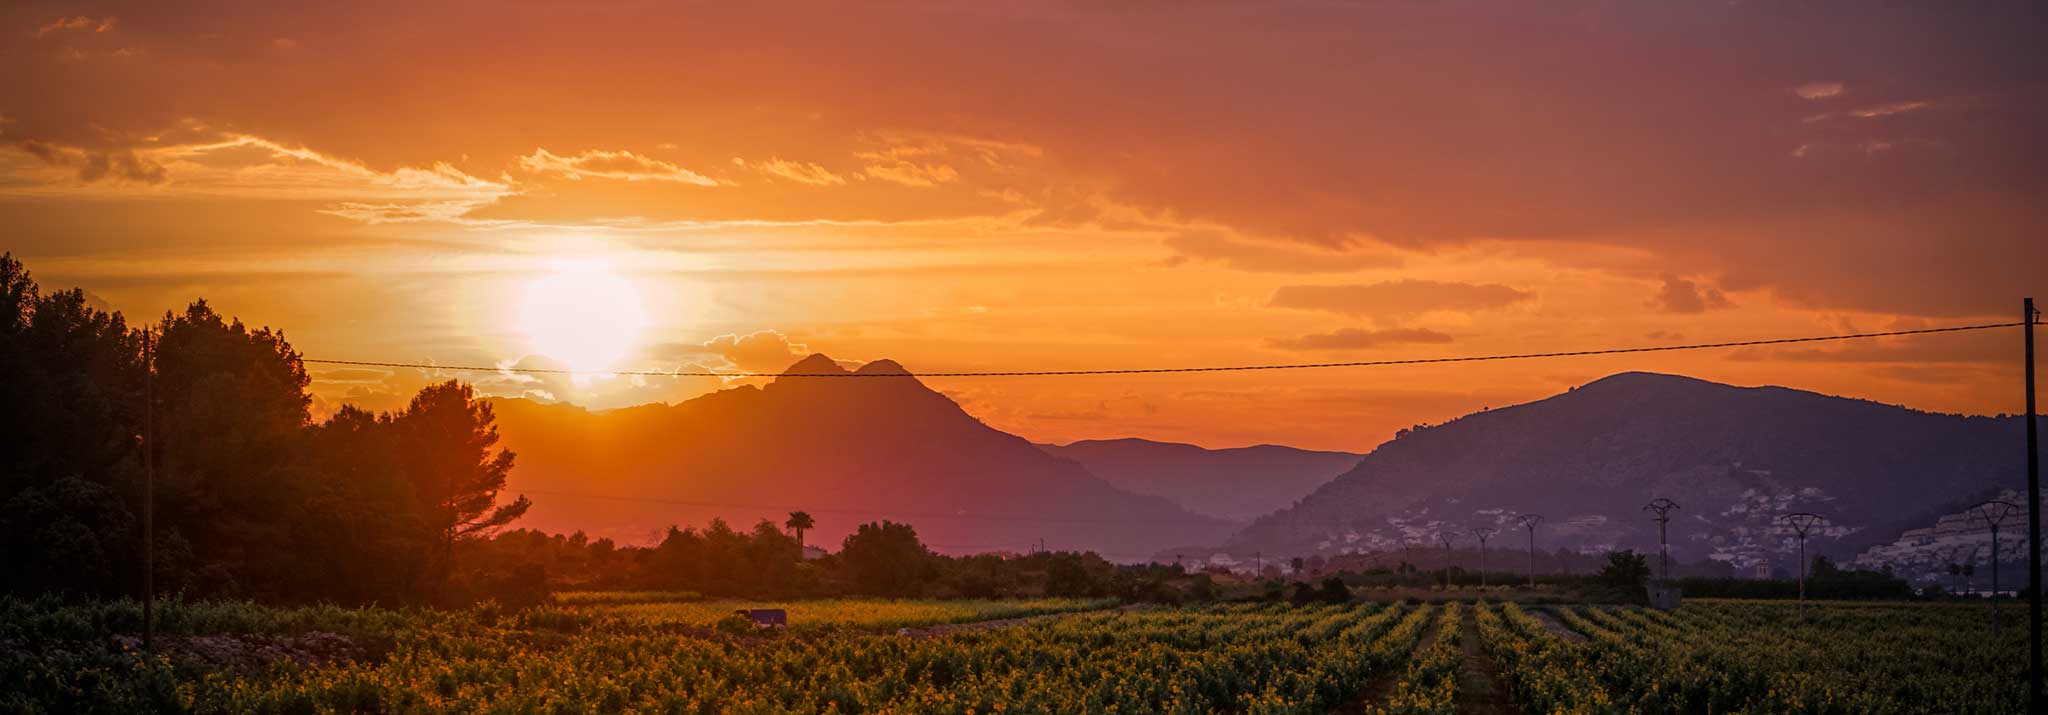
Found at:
[582, 314]
[1281, 356]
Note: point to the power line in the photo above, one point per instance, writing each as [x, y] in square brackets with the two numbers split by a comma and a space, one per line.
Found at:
[1165, 370]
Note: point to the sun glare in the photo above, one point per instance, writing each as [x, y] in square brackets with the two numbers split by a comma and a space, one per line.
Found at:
[582, 314]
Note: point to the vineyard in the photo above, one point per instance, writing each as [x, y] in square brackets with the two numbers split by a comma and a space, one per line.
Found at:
[589, 656]
[835, 614]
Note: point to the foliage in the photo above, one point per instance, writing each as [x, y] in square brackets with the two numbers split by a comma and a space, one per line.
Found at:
[1430, 685]
[252, 500]
[1826, 581]
[885, 559]
[864, 613]
[1761, 657]
[1245, 659]
[1625, 568]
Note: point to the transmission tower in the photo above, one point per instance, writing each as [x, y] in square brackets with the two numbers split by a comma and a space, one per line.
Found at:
[1663, 508]
[1529, 521]
[1802, 522]
[1483, 533]
[1448, 537]
[1962, 565]
[1994, 513]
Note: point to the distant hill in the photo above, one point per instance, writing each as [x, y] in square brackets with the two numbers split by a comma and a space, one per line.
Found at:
[1735, 458]
[1239, 484]
[1961, 537]
[847, 450]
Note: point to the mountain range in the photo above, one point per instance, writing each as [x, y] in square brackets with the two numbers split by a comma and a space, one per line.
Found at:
[884, 446]
[845, 449]
[1239, 484]
[1736, 459]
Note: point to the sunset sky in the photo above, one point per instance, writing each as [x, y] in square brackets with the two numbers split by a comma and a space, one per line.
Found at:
[982, 186]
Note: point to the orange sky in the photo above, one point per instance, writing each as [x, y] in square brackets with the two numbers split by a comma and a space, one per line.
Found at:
[967, 186]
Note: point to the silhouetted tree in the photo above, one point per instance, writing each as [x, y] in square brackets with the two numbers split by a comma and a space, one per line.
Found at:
[885, 559]
[799, 522]
[253, 499]
[449, 447]
[70, 414]
[1334, 591]
[232, 428]
[1625, 568]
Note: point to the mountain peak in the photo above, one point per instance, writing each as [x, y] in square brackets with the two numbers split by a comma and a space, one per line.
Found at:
[816, 364]
[882, 367]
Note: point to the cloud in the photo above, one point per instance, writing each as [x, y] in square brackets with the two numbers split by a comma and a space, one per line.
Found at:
[1981, 347]
[78, 23]
[1682, 296]
[1258, 143]
[1818, 90]
[1356, 339]
[1886, 110]
[1268, 257]
[597, 392]
[915, 160]
[762, 351]
[912, 174]
[797, 171]
[1394, 300]
[621, 165]
[93, 166]
[213, 164]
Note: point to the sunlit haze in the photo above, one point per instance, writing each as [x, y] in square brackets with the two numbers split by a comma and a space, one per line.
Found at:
[1088, 187]
[582, 314]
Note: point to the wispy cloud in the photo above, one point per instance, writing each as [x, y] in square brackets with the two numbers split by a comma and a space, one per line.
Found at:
[250, 166]
[913, 174]
[620, 165]
[1269, 257]
[1358, 339]
[1818, 90]
[797, 171]
[1685, 297]
[77, 23]
[1393, 300]
[1886, 110]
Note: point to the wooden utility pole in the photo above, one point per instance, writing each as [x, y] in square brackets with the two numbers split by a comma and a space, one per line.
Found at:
[148, 490]
[2029, 316]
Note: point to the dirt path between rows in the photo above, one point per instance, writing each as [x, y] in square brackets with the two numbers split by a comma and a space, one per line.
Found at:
[1481, 689]
[1382, 685]
[1557, 627]
[948, 629]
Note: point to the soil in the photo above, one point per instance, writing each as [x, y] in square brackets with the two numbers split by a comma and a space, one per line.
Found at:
[1382, 685]
[1481, 689]
[1556, 627]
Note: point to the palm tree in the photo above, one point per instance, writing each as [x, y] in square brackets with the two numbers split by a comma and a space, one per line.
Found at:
[798, 522]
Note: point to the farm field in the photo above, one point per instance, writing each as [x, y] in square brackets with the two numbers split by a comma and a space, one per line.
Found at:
[829, 614]
[1708, 657]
